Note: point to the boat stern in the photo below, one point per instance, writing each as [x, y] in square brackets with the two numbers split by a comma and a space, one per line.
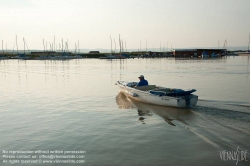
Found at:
[191, 100]
[181, 103]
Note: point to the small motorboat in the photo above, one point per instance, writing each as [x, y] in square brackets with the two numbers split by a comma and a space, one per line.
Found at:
[158, 95]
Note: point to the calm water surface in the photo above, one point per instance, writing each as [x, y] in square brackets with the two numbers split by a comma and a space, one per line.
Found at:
[75, 105]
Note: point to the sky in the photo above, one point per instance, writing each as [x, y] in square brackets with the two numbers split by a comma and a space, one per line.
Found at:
[140, 23]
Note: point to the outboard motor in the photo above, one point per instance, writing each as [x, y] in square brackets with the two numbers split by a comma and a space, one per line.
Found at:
[187, 99]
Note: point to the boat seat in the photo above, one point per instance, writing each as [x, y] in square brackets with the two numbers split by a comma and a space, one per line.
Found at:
[160, 93]
[145, 88]
[163, 89]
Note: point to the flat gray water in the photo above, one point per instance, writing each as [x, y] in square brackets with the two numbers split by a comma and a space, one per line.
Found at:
[75, 105]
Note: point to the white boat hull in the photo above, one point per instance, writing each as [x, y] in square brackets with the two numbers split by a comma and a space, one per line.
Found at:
[146, 97]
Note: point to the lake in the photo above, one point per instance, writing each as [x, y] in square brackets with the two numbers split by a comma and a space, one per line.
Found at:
[48, 107]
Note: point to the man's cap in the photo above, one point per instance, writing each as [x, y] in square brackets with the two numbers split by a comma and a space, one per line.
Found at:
[141, 76]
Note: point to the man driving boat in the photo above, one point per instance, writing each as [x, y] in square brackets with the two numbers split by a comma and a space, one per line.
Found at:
[142, 82]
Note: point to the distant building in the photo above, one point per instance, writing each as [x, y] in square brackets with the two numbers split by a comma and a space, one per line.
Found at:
[94, 52]
[197, 52]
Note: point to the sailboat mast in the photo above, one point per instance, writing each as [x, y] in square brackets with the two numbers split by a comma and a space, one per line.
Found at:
[54, 43]
[140, 45]
[67, 45]
[115, 45]
[120, 43]
[2, 46]
[62, 45]
[111, 44]
[167, 46]
[75, 48]
[24, 46]
[249, 43]
[43, 46]
[14, 48]
[122, 46]
[16, 44]
[126, 46]
[78, 48]
[160, 46]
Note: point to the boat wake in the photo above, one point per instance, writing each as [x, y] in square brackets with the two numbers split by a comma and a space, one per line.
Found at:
[224, 125]
[226, 105]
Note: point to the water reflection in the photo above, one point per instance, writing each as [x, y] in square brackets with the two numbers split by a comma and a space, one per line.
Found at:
[169, 114]
[123, 102]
